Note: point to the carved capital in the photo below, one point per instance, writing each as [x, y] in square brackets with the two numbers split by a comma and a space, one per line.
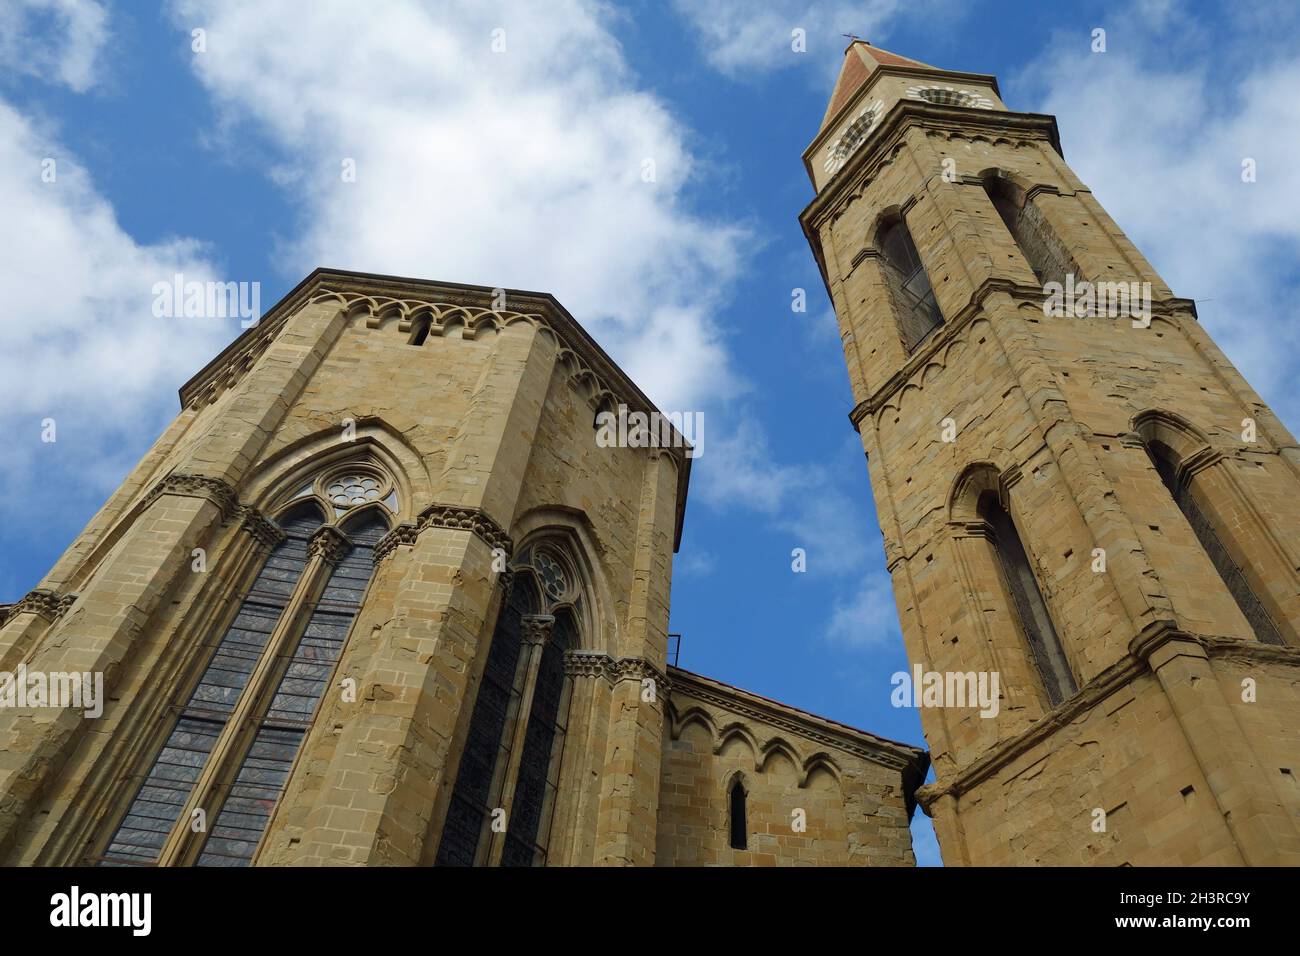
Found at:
[330, 544]
[537, 628]
[595, 664]
[262, 530]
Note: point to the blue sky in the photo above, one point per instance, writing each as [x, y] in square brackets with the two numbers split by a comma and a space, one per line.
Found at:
[523, 169]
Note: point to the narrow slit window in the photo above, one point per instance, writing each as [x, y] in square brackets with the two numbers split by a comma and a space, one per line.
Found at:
[739, 825]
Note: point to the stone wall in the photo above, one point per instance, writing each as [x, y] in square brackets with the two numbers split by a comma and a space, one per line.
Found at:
[817, 793]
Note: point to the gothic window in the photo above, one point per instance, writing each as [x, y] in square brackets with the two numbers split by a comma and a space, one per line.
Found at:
[510, 764]
[1027, 601]
[909, 286]
[736, 813]
[268, 673]
[1035, 238]
[487, 745]
[1256, 615]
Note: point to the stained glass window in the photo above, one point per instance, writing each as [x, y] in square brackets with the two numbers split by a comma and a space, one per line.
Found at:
[538, 778]
[170, 780]
[471, 799]
[264, 772]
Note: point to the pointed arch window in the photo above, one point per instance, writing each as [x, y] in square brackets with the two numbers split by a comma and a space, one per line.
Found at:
[510, 765]
[228, 757]
[1046, 255]
[739, 824]
[909, 286]
[1176, 483]
[1027, 601]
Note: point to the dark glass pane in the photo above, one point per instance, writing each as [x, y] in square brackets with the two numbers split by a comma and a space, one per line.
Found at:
[264, 773]
[529, 800]
[1029, 606]
[178, 766]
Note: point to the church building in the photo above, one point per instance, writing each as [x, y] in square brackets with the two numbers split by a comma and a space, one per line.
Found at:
[379, 597]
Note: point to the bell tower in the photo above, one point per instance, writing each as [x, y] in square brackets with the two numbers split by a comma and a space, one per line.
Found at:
[1080, 496]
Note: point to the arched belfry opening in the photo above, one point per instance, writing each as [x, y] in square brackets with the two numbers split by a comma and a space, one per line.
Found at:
[1046, 255]
[1027, 599]
[909, 285]
[1169, 466]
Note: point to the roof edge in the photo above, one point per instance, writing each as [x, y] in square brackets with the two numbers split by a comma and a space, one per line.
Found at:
[325, 279]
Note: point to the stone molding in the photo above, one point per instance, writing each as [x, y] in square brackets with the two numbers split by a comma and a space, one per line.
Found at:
[1165, 307]
[474, 520]
[1112, 679]
[596, 664]
[402, 534]
[215, 490]
[901, 759]
[454, 517]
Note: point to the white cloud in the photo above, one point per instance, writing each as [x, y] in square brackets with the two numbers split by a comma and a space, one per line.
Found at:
[737, 36]
[868, 618]
[524, 168]
[56, 40]
[80, 341]
[1158, 128]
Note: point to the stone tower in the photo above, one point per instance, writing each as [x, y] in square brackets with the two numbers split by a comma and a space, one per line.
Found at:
[381, 595]
[1078, 492]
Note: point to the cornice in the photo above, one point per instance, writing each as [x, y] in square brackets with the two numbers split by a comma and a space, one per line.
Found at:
[43, 602]
[864, 165]
[474, 520]
[860, 743]
[1112, 679]
[1167, 307]
[403, 534]
[590, 370]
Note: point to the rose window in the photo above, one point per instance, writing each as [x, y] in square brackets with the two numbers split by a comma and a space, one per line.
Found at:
[351, 490]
